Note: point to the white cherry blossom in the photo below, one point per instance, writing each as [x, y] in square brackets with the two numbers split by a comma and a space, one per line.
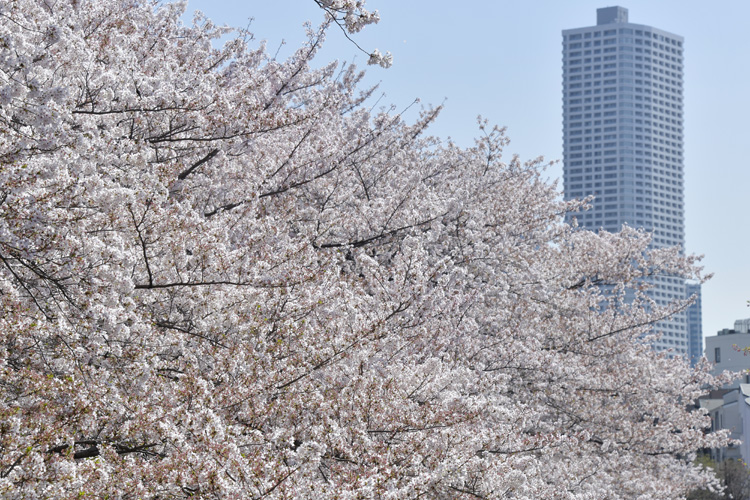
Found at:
[221, 276]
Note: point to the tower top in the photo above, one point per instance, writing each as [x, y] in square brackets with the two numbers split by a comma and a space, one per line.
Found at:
[609, 15]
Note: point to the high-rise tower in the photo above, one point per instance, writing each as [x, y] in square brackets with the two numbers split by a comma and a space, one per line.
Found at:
[694, 323]
[623, 138]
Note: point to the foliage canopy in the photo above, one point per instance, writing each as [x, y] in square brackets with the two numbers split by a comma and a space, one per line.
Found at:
[222, 276]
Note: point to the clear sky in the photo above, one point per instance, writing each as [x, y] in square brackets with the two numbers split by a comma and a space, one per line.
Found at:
[502, 59]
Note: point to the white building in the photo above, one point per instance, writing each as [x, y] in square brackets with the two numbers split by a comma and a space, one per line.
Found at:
[726, 350]
[730, 408]
[731, 411]
[623, 138]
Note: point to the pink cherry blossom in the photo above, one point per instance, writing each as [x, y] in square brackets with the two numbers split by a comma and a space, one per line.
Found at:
[221, 276]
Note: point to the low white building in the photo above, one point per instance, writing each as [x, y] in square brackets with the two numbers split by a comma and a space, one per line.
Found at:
[730, 407]
[726, 350]
[731, 410]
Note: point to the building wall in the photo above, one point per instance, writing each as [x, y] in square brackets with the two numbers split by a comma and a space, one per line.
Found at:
[732, 413]
[694, 323]
[727, 416]
[623, 138]
[726, 351]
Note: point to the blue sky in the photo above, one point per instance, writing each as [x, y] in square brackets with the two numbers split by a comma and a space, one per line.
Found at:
[502, 59]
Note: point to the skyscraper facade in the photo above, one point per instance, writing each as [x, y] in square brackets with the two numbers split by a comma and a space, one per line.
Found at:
[694, 323]
[623, 138]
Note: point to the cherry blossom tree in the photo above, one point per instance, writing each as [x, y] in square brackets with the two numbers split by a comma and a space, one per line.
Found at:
[221, 276]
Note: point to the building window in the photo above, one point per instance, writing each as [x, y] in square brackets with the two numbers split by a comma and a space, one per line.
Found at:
[717, 355]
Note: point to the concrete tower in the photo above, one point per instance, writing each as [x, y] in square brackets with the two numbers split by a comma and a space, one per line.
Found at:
[623, 138]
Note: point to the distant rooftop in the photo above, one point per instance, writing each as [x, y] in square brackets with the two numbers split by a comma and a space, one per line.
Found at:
[740, 326]
[609, 15]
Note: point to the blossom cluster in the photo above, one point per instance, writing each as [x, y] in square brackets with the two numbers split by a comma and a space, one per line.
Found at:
[223, 276]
